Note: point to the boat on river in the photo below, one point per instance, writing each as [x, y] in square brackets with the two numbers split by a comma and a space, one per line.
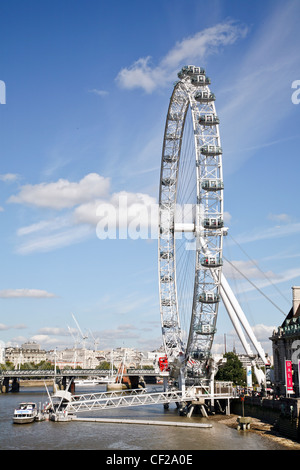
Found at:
[25, 413]
[95, 381]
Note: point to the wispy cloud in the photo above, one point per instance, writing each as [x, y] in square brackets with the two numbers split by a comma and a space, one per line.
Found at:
[9, 177]
[144, 74]
[25, 293]
[95, 91]
[255, 97]
[268, 233]
[248, 269]
[81, 205]
[42, 243]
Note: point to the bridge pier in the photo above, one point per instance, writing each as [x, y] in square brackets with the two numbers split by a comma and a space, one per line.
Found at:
[5, 385]
[67, 383]
[15, 386]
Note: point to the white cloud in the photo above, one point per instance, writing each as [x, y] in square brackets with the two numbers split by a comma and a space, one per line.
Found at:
[25, 293]
[121, 207]
[99, 92]
[204, 42]
[263, 332]
[9, 177]
[142, 74]
[277, 231]
[44, 226]
[44, 340]
[51, 241]
[249, 269]
[255, 90]
[63, 193]
[88, 202]
[49, 330]
[280, 218]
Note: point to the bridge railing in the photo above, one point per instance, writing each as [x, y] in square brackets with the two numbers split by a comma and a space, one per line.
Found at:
[31, 373]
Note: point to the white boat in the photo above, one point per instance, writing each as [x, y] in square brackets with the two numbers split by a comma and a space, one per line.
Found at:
[86, 382]
[25, 413]
[93, 382]
[107, 380]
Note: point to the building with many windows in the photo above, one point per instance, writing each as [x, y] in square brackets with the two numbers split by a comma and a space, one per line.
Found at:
[29, 352]
[286, 347]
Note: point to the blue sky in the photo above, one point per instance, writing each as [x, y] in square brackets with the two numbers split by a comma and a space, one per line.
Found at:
[87, 90]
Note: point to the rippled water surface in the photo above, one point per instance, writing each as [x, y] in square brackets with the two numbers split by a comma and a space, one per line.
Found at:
[110, 436]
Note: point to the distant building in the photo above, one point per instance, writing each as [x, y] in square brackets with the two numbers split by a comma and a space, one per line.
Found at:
[90, 359]
[247, 361]
[285, 343]
[2, 354]
[28, 352]
[76, 357]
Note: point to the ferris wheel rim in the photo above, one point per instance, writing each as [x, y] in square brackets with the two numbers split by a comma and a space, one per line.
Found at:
[183, 91]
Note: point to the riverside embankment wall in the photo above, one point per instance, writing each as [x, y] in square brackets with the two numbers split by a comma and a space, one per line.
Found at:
[282, 414]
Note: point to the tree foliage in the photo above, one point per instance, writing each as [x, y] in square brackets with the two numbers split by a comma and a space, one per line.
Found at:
[232, 370]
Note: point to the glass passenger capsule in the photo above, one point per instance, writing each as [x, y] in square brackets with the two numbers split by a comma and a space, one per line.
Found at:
[166, 255]
[209, 298]
[211, 150]
[205, 329]
[211, 261]
[171, 136]
[190, 70]
[168, 324]
[209, 120]
[200, 80]
[170, 158]
[167, 181]
[213, 222]
[212, 185]
[198, 355]
[204, 96]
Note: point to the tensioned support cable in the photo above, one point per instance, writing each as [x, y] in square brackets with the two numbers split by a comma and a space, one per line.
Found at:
[254, 285]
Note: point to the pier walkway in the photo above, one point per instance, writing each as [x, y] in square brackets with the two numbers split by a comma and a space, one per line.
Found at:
[187, 399]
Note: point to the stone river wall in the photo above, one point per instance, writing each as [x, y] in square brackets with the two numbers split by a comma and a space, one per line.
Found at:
[282, 414]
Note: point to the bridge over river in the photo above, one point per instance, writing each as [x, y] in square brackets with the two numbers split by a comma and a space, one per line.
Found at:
[67, 375]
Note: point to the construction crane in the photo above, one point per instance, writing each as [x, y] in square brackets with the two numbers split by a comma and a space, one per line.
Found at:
[83, 336]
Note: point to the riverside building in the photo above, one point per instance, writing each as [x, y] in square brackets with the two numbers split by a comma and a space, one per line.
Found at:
[286, 347]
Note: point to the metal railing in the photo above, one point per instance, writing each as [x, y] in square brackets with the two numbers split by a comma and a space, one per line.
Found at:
[137, 397]
[31, 373]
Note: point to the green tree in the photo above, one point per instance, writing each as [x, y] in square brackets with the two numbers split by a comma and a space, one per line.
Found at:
[45, 365]
[232, 370]
[104, 365]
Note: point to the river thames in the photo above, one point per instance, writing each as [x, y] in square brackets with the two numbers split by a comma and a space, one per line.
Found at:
[76, 435]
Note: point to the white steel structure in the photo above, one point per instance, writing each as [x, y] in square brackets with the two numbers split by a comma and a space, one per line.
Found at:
[191, 230]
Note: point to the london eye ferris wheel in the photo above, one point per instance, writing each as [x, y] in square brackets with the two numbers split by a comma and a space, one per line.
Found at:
[191, 225]
[191, 230]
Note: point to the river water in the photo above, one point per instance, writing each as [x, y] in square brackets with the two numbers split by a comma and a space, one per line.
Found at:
[48, 435]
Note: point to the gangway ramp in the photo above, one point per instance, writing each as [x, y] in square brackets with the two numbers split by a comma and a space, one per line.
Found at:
[136, 397]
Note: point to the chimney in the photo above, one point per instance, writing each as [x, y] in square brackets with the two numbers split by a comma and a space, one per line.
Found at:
[296, 301]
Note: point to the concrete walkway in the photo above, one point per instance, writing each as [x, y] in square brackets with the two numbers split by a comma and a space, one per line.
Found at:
[145, 422]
